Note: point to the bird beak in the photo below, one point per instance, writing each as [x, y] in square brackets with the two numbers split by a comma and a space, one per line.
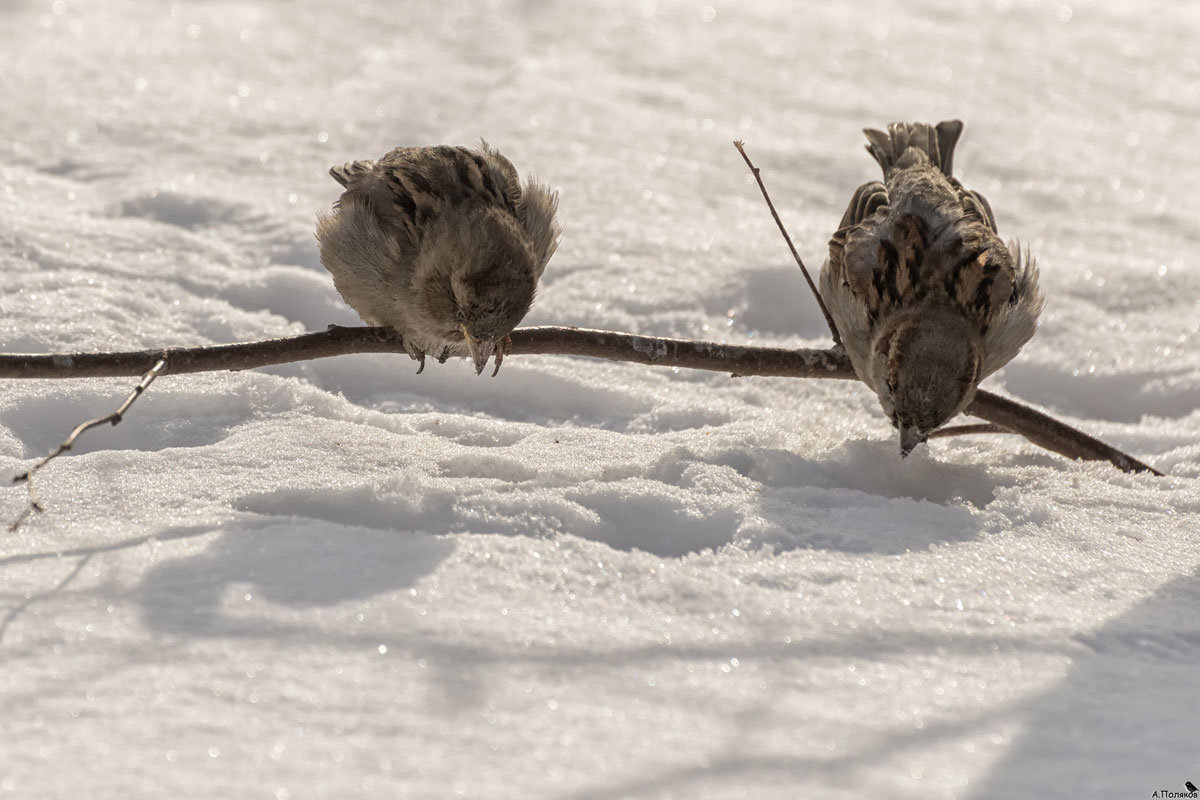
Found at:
[479, 350]
[910, 437]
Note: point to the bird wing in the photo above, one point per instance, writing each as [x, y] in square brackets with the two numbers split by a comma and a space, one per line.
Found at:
[1014, 320]
[410, 186]
[534, 205]
[875, 257]
[845, 289]
[938, 237]
[968, 265]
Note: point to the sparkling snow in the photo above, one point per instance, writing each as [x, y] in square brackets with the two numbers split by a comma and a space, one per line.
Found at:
[587, 580]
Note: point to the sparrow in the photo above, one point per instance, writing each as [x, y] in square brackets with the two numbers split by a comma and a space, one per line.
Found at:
[443, 244]
[927, 298]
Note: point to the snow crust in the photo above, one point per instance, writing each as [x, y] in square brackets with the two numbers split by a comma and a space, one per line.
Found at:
[583, 579]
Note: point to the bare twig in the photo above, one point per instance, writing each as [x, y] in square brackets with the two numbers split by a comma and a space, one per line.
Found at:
[114, 418]
[968, 430]
[337, 341]
[1047, 432]
[1034, 425]
[741, 148]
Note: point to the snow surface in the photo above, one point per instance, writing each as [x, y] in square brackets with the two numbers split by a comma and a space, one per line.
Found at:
[587, 580]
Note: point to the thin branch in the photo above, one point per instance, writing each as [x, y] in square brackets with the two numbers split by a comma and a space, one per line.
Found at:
[1047, 432]
[741, 148]
[968, 430]
[338, 341]
[1034, 425]
[114, 418]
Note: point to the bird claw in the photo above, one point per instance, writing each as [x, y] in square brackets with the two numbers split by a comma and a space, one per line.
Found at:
[445, 355]
[419, 356]
[501, 348]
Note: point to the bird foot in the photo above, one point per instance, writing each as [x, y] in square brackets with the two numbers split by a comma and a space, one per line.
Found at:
[418, 355]
[445, 355]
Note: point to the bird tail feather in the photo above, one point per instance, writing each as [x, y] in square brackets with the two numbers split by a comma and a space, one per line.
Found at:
[346, 172]
[908, 144]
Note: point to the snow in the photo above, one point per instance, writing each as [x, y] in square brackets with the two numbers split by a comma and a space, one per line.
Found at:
[586, 579]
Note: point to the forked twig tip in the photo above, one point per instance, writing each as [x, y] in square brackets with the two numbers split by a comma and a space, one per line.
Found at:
[115, 417]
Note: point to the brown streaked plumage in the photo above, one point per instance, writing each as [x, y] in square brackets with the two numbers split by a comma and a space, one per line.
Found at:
[444, 244]
[927, 298]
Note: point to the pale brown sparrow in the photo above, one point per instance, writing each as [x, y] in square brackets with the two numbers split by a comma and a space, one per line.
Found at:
[443, 244]
[927, 298]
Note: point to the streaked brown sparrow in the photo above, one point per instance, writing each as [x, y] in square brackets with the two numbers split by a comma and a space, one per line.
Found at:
[443, 244]
[927, 298]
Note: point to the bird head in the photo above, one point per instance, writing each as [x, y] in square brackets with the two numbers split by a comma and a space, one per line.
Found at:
[489, 303]
[474, 279]
[925, 369]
